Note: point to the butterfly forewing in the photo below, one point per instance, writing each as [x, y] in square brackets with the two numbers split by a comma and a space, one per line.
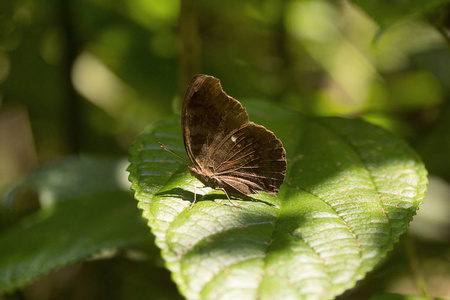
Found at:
[208, 115]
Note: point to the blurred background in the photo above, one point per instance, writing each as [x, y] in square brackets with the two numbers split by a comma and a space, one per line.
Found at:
[85, 77]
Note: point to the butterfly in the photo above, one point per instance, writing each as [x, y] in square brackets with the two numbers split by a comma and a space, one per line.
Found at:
[227, 151]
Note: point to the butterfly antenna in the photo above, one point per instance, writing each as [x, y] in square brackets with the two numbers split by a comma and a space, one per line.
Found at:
[171, 152]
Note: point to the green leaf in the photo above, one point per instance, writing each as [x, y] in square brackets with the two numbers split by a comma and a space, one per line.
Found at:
[72, 177]
[351, 190]
[93, 217]
[388, 12]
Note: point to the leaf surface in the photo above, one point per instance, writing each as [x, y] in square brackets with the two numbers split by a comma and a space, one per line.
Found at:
[351, 190]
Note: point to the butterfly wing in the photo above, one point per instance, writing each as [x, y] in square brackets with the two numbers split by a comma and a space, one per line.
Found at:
[250, 160]
[226, 149]
[208, 116]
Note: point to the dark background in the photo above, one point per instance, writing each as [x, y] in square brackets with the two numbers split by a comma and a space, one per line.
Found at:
[85, 77]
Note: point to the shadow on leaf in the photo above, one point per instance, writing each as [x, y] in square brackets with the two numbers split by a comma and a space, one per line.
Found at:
[188, 195]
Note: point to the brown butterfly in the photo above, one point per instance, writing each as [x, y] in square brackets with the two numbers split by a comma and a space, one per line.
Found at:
[227, 151]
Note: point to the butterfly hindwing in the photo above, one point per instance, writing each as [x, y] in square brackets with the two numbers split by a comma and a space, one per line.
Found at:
[251, 155]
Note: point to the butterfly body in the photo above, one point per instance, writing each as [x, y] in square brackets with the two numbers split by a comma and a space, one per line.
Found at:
[228, 152]
[206, 177]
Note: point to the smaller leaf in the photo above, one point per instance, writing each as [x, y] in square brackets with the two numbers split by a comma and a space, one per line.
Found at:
[73, 177]
[96, 215]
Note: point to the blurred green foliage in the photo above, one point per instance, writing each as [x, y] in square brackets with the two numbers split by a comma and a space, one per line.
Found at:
[318, 57]
[87, 76]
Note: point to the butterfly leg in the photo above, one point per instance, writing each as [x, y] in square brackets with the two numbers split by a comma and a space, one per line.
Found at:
[230, 199]
[195, 198]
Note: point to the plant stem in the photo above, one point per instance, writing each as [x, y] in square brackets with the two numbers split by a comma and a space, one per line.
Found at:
[71, 109]
[189, 42]
[414, 266]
